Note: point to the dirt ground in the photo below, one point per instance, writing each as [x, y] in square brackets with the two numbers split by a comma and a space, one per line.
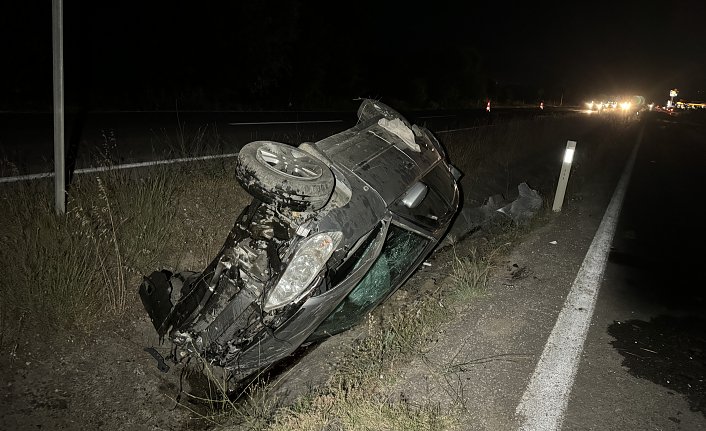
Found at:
[107, 381]
[89, 382]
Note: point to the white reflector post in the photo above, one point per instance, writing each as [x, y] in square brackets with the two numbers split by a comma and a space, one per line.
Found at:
[569, 155]
[564, 176]
[58, 63]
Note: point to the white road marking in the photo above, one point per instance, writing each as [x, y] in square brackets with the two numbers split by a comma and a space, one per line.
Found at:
[544, 402]
[259, 123]
[462, 129]
[436, 116]
[115, 167]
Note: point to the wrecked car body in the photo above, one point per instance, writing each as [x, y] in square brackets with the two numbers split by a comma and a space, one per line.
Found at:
[334, 228]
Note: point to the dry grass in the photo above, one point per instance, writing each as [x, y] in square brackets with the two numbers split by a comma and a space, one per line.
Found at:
[76, 270]
[67, 270]
[359, 411]
[470, 276]
[495, 159]
[350, 400]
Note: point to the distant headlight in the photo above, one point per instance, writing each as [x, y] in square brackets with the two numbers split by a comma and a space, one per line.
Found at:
[307, 262]
[625, 106]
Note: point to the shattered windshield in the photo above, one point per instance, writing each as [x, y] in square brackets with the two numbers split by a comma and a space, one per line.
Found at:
[401, 249]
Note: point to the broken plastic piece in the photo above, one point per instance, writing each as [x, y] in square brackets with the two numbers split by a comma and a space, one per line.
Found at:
[525, 206]
[161, 364]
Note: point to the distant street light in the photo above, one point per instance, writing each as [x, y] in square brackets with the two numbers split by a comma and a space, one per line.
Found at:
[672, 94]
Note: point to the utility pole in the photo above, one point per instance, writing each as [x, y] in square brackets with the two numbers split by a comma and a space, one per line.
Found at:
[57, 28]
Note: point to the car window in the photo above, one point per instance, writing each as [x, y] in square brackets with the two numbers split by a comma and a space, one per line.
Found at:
[399, 253]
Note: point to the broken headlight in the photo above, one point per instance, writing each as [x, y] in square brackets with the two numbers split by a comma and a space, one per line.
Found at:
[307, 262]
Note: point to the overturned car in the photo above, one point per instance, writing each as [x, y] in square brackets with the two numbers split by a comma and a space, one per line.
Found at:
[334, 228]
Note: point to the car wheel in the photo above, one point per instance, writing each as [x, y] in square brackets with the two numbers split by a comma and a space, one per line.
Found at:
[283, 175]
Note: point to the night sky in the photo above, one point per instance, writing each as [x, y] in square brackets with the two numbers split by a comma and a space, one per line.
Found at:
[320, 55]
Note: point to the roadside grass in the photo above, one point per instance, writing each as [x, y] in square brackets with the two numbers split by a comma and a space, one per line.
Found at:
[68, 270]
[495, 159]
[360, 411]
[211, 403]
[185, 141]
[470, 275]
[50, 262]
[350, 399]
[82, 268]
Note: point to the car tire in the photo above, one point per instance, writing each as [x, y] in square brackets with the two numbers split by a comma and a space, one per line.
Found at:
[284, 176]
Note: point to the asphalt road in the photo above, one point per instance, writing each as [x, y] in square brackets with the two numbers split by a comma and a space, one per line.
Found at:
[644, 362]
[26, 139]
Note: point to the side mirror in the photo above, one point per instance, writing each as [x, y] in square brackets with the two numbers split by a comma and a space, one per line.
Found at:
[415, 195]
